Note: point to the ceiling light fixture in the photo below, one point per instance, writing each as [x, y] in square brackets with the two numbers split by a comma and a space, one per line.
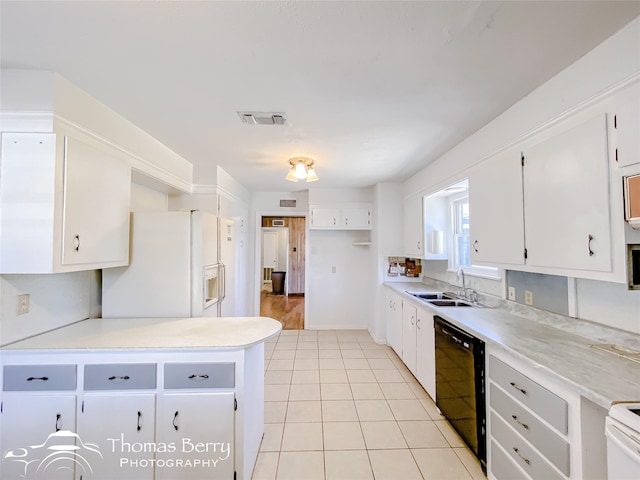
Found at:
[301, 169]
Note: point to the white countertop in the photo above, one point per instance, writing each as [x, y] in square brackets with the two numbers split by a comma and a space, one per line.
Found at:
[599, 376]
[154, 333]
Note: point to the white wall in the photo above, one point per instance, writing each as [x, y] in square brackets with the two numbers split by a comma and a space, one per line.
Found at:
[144, 199]
[55, 300]
[341, 299]
[608, 303]
[387, 240]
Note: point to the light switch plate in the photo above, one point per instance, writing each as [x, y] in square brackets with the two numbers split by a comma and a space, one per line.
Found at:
[512, 293]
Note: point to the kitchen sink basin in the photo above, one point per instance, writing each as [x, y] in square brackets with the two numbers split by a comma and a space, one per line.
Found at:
[426, 295]
[441, 299]
[449, 303]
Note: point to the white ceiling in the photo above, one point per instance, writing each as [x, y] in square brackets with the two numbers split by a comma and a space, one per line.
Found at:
[373, 91]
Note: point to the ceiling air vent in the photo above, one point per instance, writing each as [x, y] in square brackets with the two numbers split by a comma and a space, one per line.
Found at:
[263, 118]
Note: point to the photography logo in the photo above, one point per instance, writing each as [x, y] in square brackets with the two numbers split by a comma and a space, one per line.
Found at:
[62, 450]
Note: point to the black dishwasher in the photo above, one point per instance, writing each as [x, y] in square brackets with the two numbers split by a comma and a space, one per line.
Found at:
[460, 393]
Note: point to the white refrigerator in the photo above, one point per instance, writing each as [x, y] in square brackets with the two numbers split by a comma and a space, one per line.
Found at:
[175, 268]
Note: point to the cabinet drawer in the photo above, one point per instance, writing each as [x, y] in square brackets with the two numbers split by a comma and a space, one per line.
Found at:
[535, 397]
[521, 452]
[199, 375]
[120, 376]
[549, 443]
[502, 466]
[39, 377]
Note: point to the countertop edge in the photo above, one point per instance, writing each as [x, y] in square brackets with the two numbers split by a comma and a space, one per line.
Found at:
[537, 361]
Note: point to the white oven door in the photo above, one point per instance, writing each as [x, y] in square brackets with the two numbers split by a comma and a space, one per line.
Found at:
[211, 285]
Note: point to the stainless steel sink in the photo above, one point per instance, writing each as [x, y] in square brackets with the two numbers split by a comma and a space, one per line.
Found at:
[426, 295]
[449, 303]
[441, 299]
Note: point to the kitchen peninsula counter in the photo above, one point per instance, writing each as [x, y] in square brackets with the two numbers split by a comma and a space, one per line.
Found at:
[183, 382]
[154, 333]
[561, 347]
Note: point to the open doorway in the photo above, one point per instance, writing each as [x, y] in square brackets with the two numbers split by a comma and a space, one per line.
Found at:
[282, 270]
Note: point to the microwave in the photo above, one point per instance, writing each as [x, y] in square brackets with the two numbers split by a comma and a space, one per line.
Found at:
[632, 200]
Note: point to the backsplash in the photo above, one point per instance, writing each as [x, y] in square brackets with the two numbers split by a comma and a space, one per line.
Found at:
[55, 300]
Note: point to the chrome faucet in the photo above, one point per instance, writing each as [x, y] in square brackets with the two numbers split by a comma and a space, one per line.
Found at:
[464, 285]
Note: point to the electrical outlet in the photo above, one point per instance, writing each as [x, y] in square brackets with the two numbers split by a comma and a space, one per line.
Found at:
[22, 304]
[512, 293]
[528, 297]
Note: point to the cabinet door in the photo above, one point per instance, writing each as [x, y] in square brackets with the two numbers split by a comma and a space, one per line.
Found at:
[566, 200]
[120, 424]
[201, 427]
[394, 322]
[624, 132]
[325, 217]
[37, 438]
[356, 218]
[96, 206]
[409, 318]
[426, 352]
[413, 237]
[496, 211]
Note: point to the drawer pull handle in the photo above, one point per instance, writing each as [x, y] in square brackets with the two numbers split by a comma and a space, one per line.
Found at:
[591, 252]
[139, 416]
[31, 379]
[58, 422]
[76, 243]
[525, 460]
[175, 419]
[521, 390]
[125, 377]
[198, 376]
[526, 427]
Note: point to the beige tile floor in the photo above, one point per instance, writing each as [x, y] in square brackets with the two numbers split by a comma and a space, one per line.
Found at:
[338, 406]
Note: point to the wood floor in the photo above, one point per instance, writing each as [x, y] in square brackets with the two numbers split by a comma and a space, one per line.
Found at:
[289, 310]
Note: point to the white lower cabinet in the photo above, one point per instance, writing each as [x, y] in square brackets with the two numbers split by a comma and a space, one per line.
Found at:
[426, 352]
[122, 425]
[136, 420]
[409, 319]
[33, 423]
[393, 315]
[201, 428]
[532, 426]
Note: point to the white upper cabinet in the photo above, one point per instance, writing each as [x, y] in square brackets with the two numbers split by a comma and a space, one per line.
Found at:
[566, 200]
[356, 217]
[65, 204]
[413, 227]
[496, 211]
[341, 217]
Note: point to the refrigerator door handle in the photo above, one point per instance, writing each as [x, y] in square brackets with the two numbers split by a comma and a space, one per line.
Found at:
[223, 283]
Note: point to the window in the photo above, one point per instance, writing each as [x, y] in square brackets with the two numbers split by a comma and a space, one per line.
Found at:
[460, 241]
[460, 233]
